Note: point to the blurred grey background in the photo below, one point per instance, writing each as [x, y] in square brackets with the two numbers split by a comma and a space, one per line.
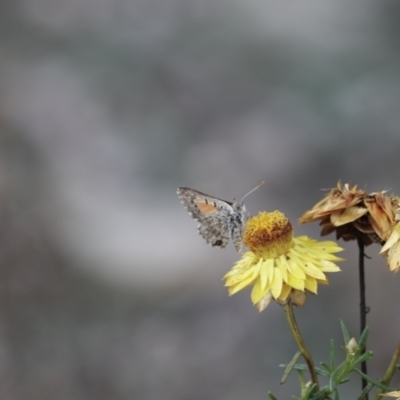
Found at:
[106, 107]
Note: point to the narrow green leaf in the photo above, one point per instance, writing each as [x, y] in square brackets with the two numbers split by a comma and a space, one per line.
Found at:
[300, 367]
[363, 357]
[365, 391]
[321, 395]
[271, 396]
[308, 394]
[303, 367]
[363, 338]
[332, 382]
[326, 370]
[322, 372]
[301, 380]
[289, 367]
[334, 379]
[335, 395]
[332, 356]
[375, 383]
[346, 336]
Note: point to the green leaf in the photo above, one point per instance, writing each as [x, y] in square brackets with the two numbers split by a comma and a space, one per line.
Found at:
[345, 332]
[335, 379]
[326, 368]
[363, 338]
[325, 371]
[289, 367]
[271, 396]
[332, 355]
[308, 393]
[303, 367]
[321, 395]
[375, 383]
[365, 391]
[300, 367]
[363, 357]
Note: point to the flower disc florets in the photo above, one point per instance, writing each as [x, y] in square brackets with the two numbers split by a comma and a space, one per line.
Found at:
[269, 234]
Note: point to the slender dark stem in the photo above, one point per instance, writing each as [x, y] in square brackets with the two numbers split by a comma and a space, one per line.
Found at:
[363, 306]
[300, 342]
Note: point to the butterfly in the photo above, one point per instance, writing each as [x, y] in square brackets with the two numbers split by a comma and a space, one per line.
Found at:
[219, 220]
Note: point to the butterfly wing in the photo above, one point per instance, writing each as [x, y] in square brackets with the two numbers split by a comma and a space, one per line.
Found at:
[214, 215]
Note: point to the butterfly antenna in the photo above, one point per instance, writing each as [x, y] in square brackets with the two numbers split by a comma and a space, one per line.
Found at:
[252, 190]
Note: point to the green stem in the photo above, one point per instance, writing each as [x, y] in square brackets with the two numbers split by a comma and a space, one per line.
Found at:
[300, 342]
[390, 371]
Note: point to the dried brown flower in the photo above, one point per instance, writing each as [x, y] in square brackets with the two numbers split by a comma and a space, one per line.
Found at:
[354, 214]
[391, 249]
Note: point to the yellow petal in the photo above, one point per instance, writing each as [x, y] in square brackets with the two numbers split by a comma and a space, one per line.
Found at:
[319, 254]
[276, 284]
[295, 283]
[311, 284]
[283, 266]
[263, 303]
[263, 273]
[234, 288]
[248, 261]
[271, 269]
[239, 277]
[258, 292]
[322, 281]
[286, 289]
[329, 247]
[266, 271]
[328, 266]
[236, 270]
[294, 268]
[294, 257]
[311, 270]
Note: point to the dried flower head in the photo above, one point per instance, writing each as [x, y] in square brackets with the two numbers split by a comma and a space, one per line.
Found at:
[354, 214]
[391, 249]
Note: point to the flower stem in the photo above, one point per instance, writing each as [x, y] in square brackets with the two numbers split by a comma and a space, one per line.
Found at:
[390, 371]
[363, 307]
[300, 342]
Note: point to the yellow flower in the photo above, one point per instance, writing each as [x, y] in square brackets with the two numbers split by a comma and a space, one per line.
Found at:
[278, 265]
[391, 249]
[353, 214]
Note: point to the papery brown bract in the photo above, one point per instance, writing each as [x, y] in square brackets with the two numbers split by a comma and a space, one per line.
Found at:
[391, 249]
[354, 214]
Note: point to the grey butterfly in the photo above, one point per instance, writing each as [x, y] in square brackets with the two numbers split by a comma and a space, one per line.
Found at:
[219, 220]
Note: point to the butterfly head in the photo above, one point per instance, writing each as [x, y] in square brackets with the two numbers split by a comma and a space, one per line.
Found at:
[239, 206]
